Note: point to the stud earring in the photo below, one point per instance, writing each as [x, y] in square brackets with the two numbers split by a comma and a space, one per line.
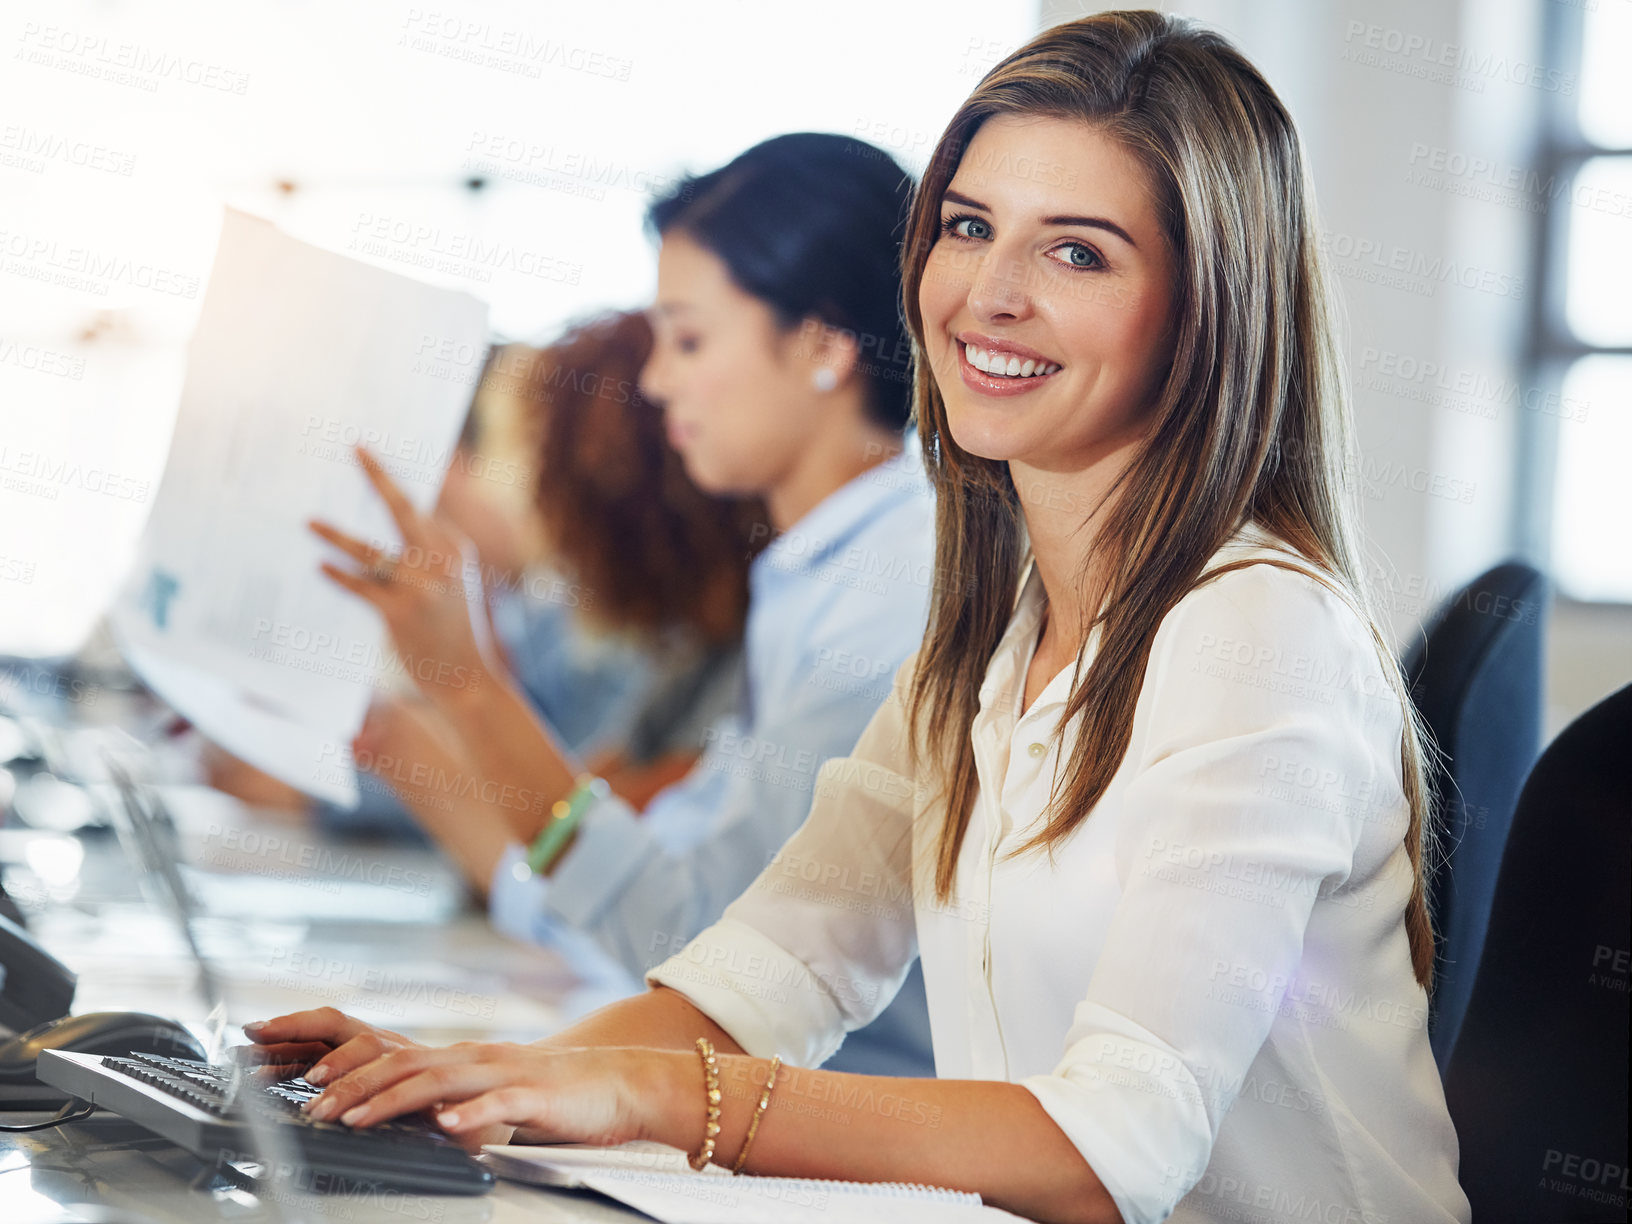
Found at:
[824, 379]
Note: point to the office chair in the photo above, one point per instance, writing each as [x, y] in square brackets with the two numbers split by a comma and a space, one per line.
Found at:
[1475, 675]
[1537, 1082]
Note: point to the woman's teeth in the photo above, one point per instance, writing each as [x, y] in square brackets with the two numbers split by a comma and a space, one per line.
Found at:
[1006, 366]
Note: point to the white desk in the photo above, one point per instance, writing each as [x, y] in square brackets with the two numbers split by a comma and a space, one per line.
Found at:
[109, 1171]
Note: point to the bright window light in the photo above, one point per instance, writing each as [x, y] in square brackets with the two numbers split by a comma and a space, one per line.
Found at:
[1600, 252]
[127, 126]
[1592, 506]
[1606, 88]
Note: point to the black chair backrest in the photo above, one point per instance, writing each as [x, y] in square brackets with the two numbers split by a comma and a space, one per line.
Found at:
[1537, 1083]
[1476, 678]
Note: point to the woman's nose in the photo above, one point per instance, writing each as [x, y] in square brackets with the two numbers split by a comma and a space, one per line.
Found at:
[651, 381]
[999, 291]
[648, 381]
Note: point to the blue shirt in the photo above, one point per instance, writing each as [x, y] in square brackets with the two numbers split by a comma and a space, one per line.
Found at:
[587, 685]
[836, 604]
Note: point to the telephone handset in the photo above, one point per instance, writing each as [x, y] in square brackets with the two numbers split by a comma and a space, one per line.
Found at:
[34, 985]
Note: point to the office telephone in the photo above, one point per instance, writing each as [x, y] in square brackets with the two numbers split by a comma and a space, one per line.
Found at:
[36, 991]
[34, 985]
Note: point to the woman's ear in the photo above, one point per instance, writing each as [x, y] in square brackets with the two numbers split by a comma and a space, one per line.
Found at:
[831, 353]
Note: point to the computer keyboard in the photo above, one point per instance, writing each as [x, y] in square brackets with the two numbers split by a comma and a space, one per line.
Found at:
[198, 1106]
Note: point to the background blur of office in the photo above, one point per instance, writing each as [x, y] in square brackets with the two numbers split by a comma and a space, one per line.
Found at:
[1470, 158]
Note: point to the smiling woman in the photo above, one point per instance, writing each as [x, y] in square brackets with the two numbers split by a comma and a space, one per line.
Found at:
[1147, 803]
[1024, 289]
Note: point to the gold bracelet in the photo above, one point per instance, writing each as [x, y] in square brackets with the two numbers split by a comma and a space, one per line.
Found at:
[764, 1103]
[711, 1086]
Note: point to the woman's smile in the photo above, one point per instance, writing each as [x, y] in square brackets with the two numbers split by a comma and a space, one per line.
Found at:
[1001, 367]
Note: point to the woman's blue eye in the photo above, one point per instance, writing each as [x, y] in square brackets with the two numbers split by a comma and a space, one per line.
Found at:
[968, 227]
[1080, 256]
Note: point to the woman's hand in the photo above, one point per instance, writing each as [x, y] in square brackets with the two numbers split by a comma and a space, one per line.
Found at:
[602, 1096]
[412, 748]
[331, 1045]
[422, 597]
[326, 1041]
[416, 751]
[420, 592]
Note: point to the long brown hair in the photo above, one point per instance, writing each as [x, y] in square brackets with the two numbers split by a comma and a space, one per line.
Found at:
[1251, 424]
[653, 550]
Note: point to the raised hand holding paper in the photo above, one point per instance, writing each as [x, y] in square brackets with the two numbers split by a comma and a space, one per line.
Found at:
[300, 355]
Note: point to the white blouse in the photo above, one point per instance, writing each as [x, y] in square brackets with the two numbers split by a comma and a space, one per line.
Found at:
[1208, 986]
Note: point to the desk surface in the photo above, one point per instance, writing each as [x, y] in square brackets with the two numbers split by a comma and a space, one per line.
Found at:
[109, 1171]
[295, 919]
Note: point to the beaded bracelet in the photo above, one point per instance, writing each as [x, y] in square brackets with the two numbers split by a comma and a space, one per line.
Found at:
[711, 1087]
[564, 818]
[764, 1103]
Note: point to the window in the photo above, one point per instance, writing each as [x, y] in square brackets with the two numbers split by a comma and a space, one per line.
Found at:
[1576, 510]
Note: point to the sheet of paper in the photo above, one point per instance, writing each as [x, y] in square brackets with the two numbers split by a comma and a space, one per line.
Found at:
[658, 1180]
[299, 355]
[269, 737]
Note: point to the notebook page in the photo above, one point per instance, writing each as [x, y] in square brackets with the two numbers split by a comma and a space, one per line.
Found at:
[658, 1180]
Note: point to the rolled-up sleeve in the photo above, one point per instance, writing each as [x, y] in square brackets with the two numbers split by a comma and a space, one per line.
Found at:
[640, 884]
[611, 848]
[820, 943]
[1253, 675]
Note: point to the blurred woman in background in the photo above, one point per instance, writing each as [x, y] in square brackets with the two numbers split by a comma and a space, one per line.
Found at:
[783, 368]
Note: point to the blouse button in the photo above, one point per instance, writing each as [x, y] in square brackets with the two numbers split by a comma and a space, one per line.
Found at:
[1038, 750]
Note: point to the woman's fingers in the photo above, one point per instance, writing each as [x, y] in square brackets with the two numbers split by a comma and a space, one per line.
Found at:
[396, 501]
[363, 1080]
[347, 1057]
[358, 550]
[362, 1083]
[450, 1082]
[391, 734]
[325, 1024]
[508, 1105]
[362, 587]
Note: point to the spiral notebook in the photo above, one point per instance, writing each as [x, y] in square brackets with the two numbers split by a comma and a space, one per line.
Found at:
[656, 1179]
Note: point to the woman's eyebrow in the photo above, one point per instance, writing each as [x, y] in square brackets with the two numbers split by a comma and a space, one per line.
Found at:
[952, 197]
